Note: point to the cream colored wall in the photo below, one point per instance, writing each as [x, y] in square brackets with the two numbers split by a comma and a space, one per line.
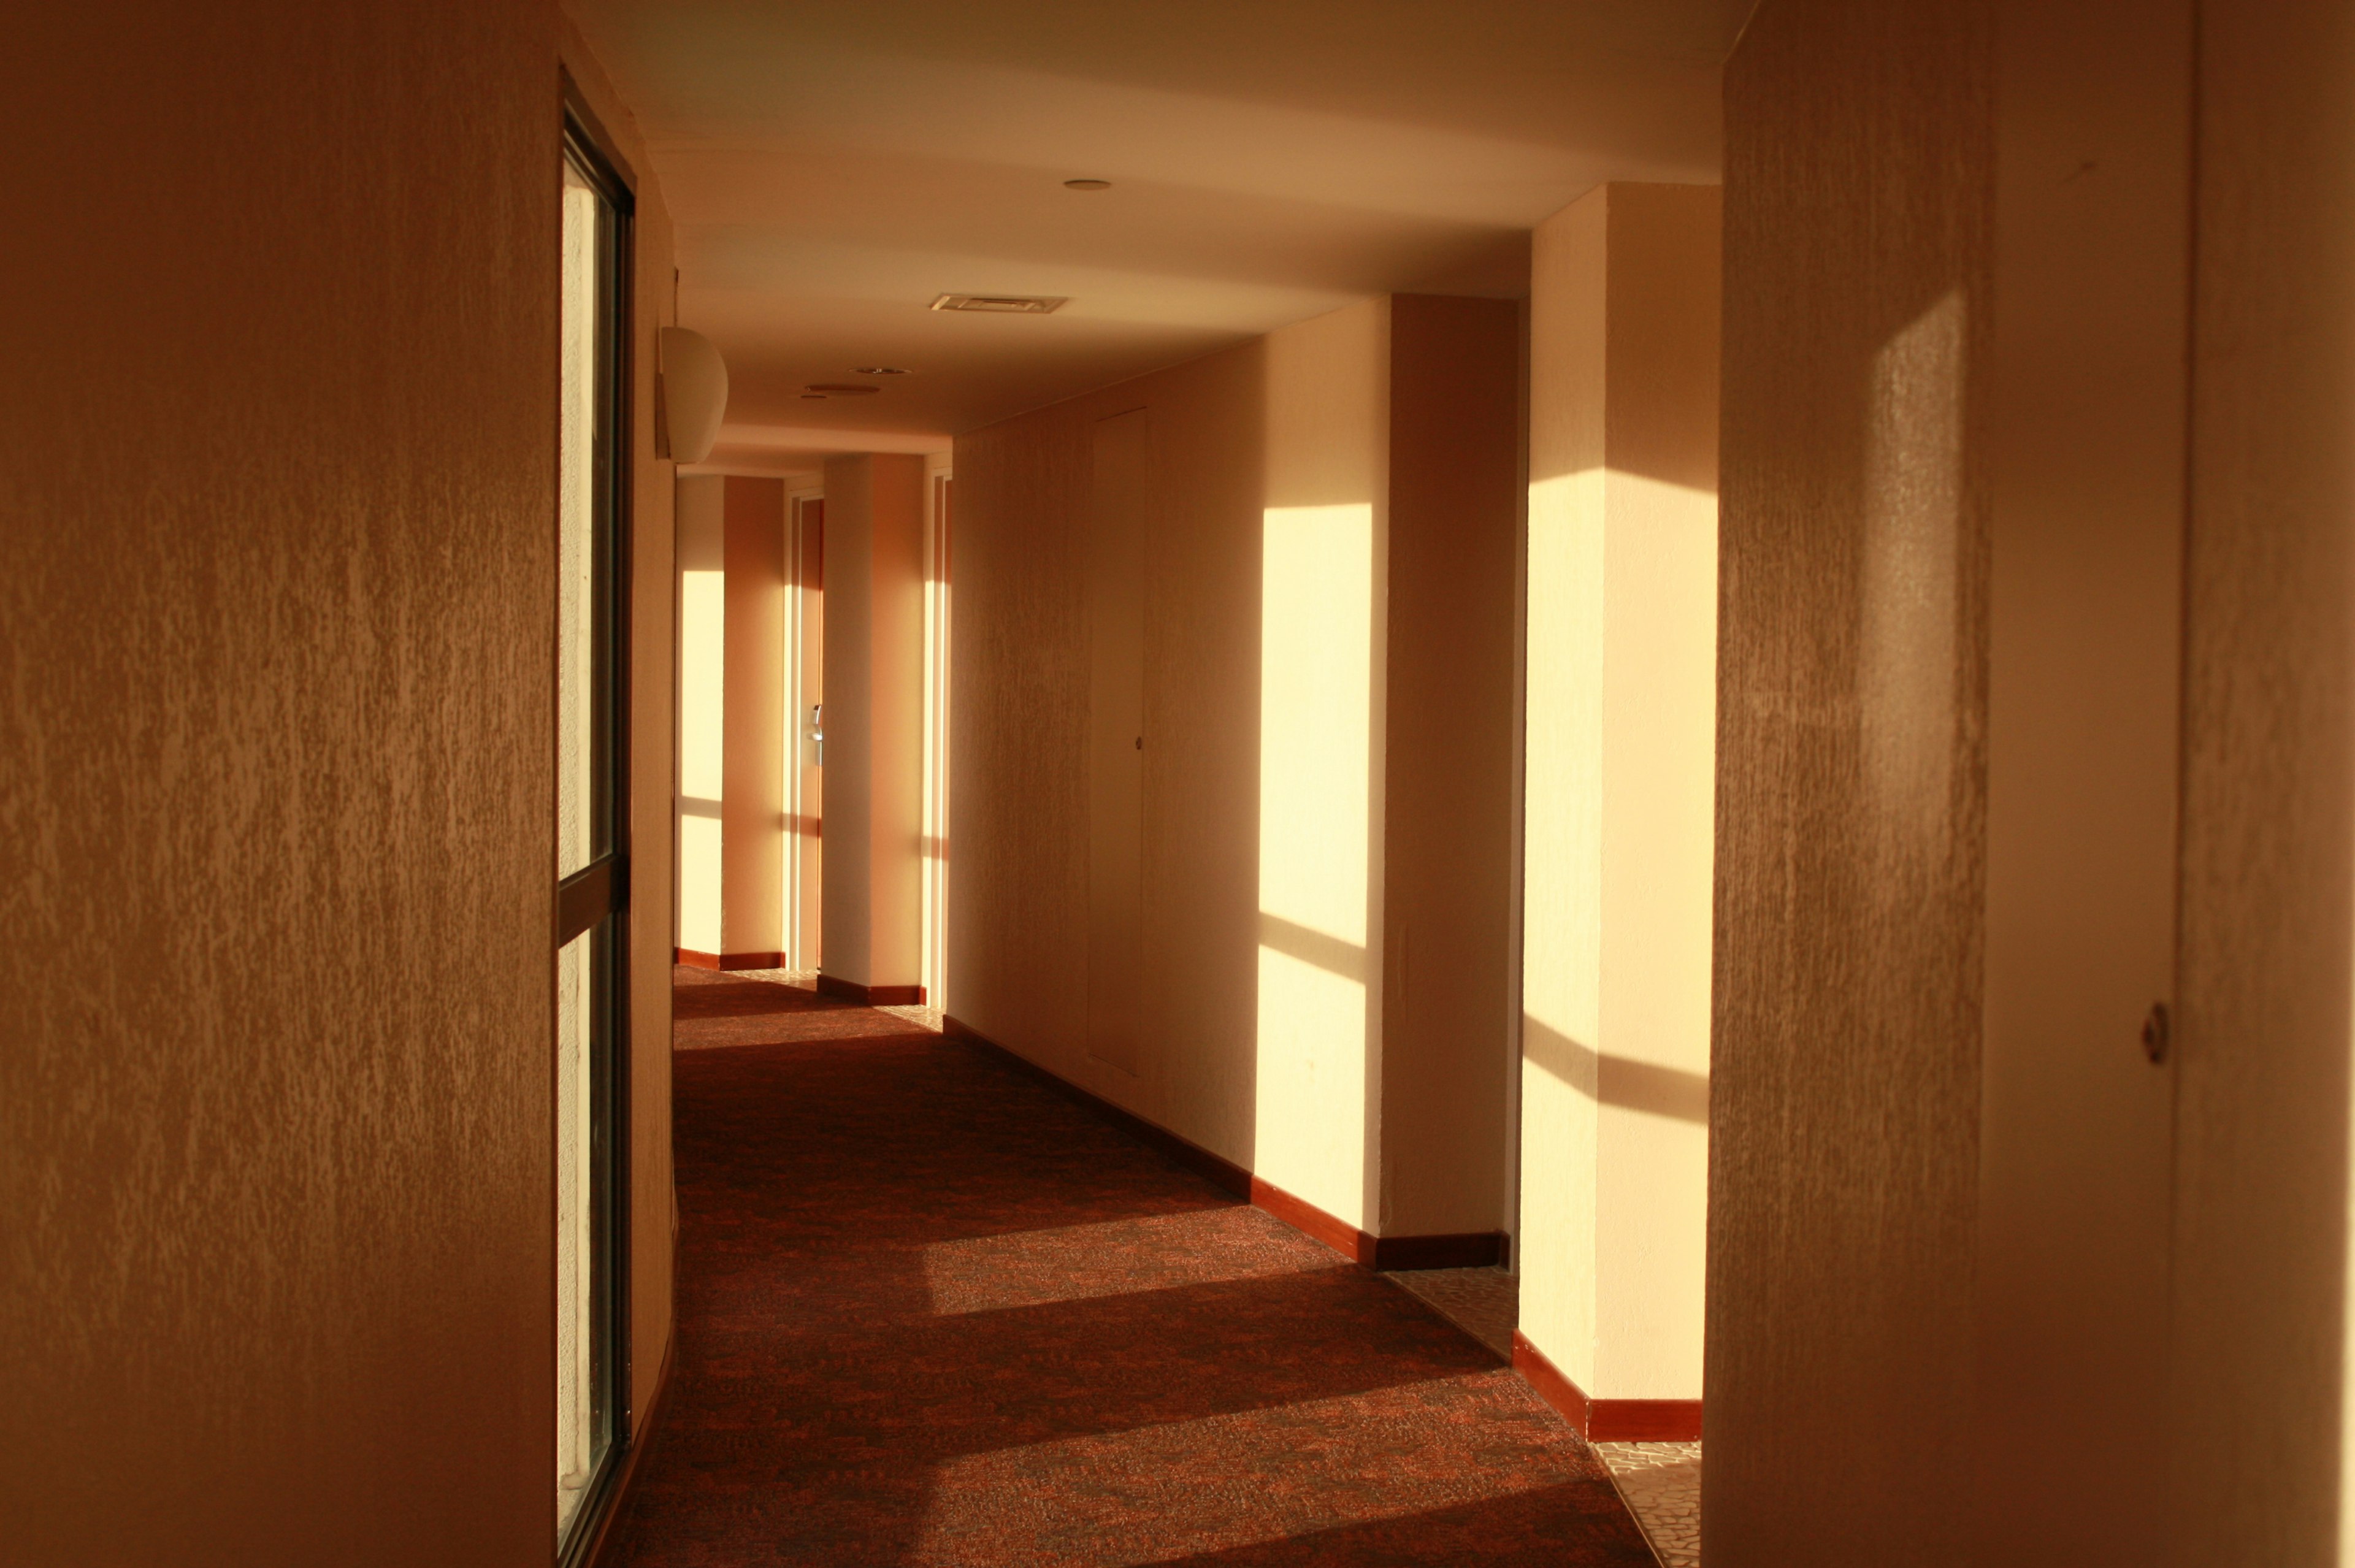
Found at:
[874, 637]
[752, 751]
[1268, 645]
[275, 1075]
[1618, 824]
[702, 707]
[1324, 555]
[1018, 731]
[1561, 819]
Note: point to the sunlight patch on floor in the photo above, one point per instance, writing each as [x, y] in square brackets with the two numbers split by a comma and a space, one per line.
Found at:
[1177, 1490]
[1115, 1257]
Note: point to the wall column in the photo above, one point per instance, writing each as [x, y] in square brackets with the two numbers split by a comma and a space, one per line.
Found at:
[1619, 824]
[752, 803]
[873, 870]
[1447, 762]
[702, 675]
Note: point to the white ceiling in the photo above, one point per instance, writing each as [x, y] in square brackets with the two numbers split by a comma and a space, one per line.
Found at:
[832, 165]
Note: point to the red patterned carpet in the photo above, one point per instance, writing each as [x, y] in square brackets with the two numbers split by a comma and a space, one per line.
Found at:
[932, 1314]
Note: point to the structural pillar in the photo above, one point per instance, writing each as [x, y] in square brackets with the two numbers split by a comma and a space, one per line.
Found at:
[1619, 810]
[874, 727]
[752, 803]
[702, 675]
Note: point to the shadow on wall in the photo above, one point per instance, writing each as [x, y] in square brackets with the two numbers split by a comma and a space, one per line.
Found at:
[1619, 1081]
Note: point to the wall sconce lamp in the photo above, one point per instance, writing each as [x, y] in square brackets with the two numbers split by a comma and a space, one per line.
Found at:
[691, 394]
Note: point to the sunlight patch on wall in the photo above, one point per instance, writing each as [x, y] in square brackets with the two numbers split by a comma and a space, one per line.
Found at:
[702, 671]
[1913, 519]
[1315, 813]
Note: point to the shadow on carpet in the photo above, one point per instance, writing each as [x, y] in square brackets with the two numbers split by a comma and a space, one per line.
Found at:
[930, 1313]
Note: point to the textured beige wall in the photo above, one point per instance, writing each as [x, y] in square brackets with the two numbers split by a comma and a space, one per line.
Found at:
[752, 808]
[2261, 1194]
[2086, 431]
[1454, 529]
[1850, 817]
[874, 636]
[1619, 829]
[275, 1084]
[2130, 1405]
[1269, 646]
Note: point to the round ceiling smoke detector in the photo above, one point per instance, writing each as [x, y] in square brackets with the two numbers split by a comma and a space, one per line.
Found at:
[1087, 184]
[839, 389]
[877, 370]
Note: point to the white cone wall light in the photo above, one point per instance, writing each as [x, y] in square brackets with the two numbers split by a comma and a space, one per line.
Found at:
[694, 394]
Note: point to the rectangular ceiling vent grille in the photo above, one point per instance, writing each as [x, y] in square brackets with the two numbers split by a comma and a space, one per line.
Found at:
[1001, 304]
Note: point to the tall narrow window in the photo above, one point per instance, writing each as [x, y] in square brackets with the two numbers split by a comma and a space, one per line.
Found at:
[592, 860]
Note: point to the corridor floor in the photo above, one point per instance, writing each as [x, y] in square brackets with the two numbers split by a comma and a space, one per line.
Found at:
[930, 1313]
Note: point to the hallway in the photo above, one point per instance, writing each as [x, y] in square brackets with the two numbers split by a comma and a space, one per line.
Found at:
[931, 1313]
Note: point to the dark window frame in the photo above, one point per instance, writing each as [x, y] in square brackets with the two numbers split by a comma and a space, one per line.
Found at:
[599, 891]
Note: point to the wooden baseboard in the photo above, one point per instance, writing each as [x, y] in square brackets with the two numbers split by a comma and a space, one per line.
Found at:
[1312, 1221]
[1605, 1420]
[1646, 1421]
[617, 1497]
[751, 961]
[1478, 1250]
[688, 957]
[1547, 1382]
[870, 996]
[1473, 1249]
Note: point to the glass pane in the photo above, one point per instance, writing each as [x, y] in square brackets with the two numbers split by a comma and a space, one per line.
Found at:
[579, 502]
[586, 986]
[583, 1419]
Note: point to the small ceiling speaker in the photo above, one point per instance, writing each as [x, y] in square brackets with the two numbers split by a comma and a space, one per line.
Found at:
[694, 394]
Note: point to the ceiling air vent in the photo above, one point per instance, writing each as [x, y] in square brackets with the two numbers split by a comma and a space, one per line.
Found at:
[1002, 305]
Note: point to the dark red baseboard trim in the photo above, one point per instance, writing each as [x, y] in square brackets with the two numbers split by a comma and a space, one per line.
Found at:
[751, 961]
[1605, 1420]
[600, 1545]
[871, 996]
[1475, 1249]
[1646, 1421]
[1547, 1382]
[1478, 1250]
[688, 957]
[1314, 1222]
